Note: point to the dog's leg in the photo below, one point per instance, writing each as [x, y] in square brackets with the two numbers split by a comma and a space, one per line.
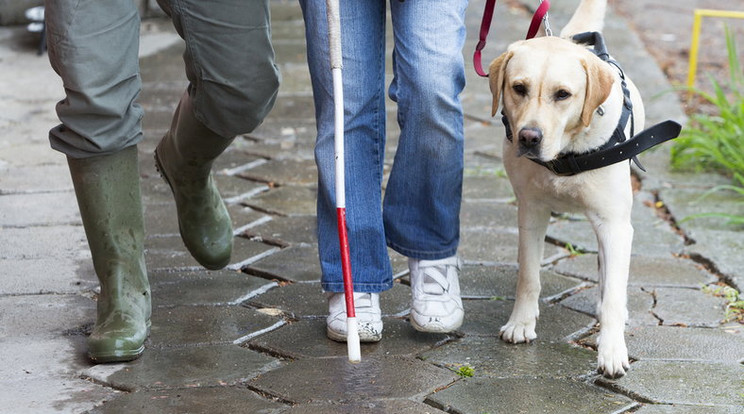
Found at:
[614, 236]
[533, 223]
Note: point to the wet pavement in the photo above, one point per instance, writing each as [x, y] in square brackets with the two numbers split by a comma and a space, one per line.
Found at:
[251, 338]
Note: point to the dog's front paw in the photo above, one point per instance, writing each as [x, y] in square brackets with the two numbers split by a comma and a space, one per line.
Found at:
[612, 361]
[518, 332]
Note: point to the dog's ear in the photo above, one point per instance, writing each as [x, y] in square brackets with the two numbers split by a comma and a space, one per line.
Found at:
[599, 81]
[496, 79]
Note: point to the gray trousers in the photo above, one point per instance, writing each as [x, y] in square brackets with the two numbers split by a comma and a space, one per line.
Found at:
[93, 46]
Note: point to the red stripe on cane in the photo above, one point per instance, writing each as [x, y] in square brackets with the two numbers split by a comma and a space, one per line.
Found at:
[343, 239]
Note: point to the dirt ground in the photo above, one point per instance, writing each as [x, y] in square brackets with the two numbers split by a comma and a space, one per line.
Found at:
[666, 29]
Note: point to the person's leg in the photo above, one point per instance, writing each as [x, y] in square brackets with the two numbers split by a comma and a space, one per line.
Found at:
[101, 125]
[422, 198]
[363, 45]
[363, 48]
[99, 114]
[233, 84]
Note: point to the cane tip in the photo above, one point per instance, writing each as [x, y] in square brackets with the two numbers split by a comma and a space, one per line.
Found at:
[353, 346]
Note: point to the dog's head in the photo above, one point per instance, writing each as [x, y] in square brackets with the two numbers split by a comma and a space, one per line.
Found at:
[550, 89]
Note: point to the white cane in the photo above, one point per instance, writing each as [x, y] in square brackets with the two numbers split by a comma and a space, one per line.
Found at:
[334, 40]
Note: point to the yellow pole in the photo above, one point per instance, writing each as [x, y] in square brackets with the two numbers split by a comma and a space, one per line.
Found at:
[692, 66]
[697, 22]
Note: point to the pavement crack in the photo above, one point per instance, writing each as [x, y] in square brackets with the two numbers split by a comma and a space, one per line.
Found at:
[663, 212]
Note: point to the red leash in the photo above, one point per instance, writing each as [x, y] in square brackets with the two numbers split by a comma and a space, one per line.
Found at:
[537, 18]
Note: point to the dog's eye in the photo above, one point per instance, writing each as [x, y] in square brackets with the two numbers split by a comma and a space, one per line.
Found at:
[562, 94]
[520, 89]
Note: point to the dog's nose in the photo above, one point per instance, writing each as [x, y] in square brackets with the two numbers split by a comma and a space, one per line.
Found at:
[530, 137]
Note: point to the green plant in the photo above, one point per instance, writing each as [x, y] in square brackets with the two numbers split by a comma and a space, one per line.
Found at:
[716, 142]
[572, 250]
[735, 302]
[465, 371]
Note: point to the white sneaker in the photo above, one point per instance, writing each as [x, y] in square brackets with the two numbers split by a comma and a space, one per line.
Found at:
[436, 305]
[368, 314]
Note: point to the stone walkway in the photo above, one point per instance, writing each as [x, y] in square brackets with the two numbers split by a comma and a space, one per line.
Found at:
[250, 338]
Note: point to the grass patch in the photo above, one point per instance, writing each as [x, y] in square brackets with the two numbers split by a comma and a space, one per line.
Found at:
[715, 143]
[465, 371]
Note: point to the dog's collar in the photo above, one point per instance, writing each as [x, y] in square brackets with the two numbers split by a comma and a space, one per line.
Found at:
[618, 147]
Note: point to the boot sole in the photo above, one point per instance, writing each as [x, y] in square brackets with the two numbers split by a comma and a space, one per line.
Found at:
[122, 356]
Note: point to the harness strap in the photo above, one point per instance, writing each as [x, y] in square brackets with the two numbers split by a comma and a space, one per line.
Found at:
[650, 137]
[540, 13]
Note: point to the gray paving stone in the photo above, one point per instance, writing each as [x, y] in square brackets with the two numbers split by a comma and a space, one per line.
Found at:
[486, 317]
[33, 276]
[683, 382]
[688, 307]
[689, 409]
[493, 358]
[295, 263]
[307, 339]
[155, 191]
[500, 280]
[678, 343]
[219, 399]
[223, 287]
[683, 203]
[578, 232]
[496, 246]
[45, 260]
[286, 230]
[487, 184]
[285, 201]
[234, 188]
[658, 271]
[307, 300]
[284, 173]
[340, 381]
[722, 249]
[527, 395]
[487, 214]
[199, 325]
[57, 208]
[66, 393]
[161, 219]
[40, 178]
[243, 216]
[640, 305]
[368, 407]
[32, 317]
[190, 367]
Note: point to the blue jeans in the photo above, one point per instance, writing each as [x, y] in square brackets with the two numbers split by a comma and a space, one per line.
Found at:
[419, 215]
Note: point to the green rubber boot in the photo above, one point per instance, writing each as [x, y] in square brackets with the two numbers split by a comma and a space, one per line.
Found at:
[184, 158]
[108, 193]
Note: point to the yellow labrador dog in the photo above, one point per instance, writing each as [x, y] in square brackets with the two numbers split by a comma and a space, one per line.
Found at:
[560, 98]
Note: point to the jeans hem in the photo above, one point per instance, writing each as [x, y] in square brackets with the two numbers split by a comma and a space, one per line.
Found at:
[337, 287]
[421, 254]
